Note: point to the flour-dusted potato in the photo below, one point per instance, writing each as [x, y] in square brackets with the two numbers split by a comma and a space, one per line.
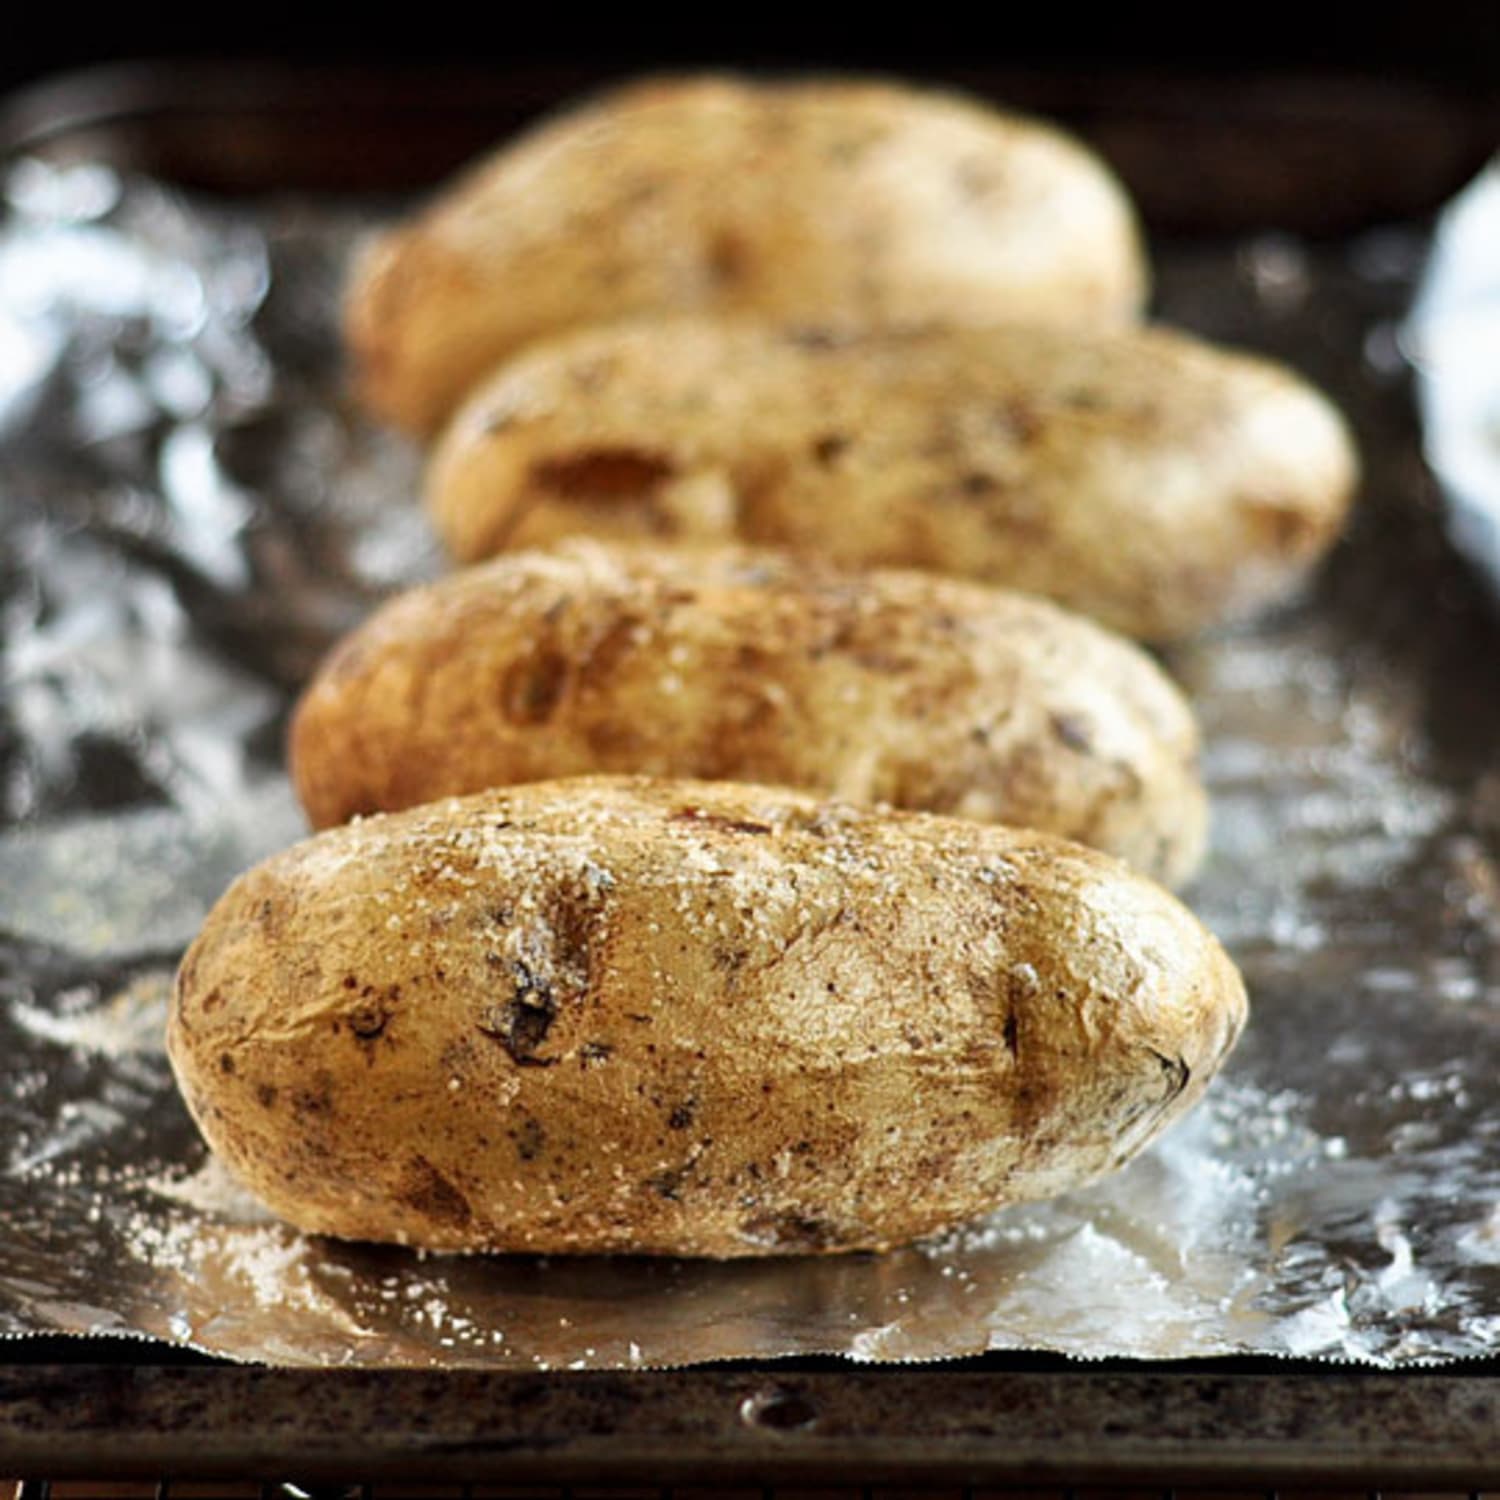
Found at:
[693, 1018]
[829, 199]
[1138, 476]
[905, 688]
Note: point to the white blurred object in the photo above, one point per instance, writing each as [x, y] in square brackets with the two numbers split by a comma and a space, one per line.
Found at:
[1453, 338]
[28, 353]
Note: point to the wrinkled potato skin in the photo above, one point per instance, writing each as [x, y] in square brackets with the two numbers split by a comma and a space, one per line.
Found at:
[686, 1018]
[890, 687]
[856, 202]
[1139, 476]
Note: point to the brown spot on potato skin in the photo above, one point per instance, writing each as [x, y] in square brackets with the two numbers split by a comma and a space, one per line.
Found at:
[529, 1137]
[600, 658]
[1285, 527]
[979, 176]
[829, 448]
[1019, 421]
[1073, 732]
[817, 340]
[226, 1064]
[602, 472]
[521, 1023]
[313, 1101]
[273, 915]
[424, 1189]
[1083, 398]
[668, 1183]
[1015, 518]
[711, 820]
[368, 1022]
[266, 1095]
[533, 686]
[728, 257]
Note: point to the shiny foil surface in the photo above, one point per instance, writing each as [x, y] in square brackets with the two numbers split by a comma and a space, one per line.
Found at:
[193, 509]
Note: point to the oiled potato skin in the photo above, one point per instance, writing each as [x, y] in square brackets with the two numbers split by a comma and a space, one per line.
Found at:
[1138, 476]
[686, 1018]
[839, 200]
[897, 687]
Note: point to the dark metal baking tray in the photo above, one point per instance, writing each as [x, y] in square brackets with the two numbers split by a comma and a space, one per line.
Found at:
[1315, 155]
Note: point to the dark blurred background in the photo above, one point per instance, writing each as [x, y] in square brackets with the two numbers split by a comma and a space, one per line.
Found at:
[1452, 40]
[1314, 117]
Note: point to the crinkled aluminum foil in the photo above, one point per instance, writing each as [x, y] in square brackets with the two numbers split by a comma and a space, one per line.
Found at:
[192, 511]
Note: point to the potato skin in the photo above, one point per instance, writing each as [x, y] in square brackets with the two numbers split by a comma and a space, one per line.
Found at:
[1138, 476]
[668, 1017]
[733, 664]
[842, 200]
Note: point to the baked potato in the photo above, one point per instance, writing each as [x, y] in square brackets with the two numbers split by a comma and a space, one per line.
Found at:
[686, 1018]
[734, 664]
[1138, 476]
[826, 199]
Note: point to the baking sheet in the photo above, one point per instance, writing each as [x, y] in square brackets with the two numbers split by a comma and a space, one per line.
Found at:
[192, 510]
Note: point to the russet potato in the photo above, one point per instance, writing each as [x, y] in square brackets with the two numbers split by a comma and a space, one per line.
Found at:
[826, 199]
[686, 1018]
[1138, 476]
[893, 687]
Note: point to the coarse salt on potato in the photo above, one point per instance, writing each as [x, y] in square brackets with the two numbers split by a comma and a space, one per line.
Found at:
[686, 1018]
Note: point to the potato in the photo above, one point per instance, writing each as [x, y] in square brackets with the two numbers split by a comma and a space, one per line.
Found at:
[829, 199]
[923, 692]
[1139, 476]
[687, 1018]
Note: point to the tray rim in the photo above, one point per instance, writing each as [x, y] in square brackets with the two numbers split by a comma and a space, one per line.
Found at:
[1432, 1431]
